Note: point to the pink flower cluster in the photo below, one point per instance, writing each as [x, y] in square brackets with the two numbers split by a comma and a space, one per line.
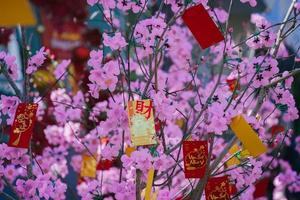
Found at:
[10, 62]
[36, 61]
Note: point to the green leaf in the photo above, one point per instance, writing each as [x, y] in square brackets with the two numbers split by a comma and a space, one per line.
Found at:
[97, 197]
[282, 107]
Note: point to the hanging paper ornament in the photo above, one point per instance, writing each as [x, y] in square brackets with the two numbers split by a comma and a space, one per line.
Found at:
[195, 157]
[247, 136]
[239, 155]
[277, 129]
[261, 188]
[141, 122]
[14, 12]
[105, 164]
[217, 188]
[202, 26]
[129, 150]
[23, 124]
[88, 166]
[149, 184]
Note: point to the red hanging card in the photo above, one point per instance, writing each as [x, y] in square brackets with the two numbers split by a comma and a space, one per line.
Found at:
[23, 125]
[217, 188]
[261, 188]
[195, 157]
[202, 26]
[105, 164]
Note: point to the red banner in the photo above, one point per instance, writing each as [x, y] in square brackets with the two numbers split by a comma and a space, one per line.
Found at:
[195, 157]
[217, 188]
[23, 125]
[202, 26]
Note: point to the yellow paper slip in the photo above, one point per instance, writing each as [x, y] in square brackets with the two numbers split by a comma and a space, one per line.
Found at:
[235, 160]
[141, 122]
[14, 12]
[88, 167]
[129, 150]
[247, 136]
[149, 184]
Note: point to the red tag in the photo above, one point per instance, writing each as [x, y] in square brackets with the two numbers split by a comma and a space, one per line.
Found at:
[232, 189]
[104, 164]
[261, 188]
[23, 125]
[195, 156]
[232, 84]
[202, 26]
[277, 129]
[217, 188]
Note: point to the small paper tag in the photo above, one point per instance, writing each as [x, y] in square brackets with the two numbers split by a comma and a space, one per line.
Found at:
[23, 125]
[129, 150]
[247, 136]
[88, 166]
[149, 184]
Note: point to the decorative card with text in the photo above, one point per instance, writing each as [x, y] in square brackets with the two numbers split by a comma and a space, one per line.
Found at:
[217, 188]
[23, 125]
[141, 122]
[195, 157]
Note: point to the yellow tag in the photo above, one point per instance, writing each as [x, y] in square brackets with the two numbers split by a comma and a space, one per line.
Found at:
[141, 122]
[129, 150]
[154, 196]
[247, 136]
[233, 160]
[245, 153]
[179, 122]
[149, 184]
[14, 12]
[88, 167]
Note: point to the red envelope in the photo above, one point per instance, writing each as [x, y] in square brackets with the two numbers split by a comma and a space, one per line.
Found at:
[104, 164]
[261, 188]
[195, 157]
[276, 129]
[217, 188]
[23, 124]
[202, 26]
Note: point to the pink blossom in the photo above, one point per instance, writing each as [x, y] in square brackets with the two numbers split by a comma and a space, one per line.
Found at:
[36, 61]
[61, 68]
[116, 42]
[11, 65]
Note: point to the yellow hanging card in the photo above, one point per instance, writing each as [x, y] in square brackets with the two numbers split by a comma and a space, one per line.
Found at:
[129, 150]
[149, 184]
[14, 12]
[234, 160]
[247, 136]
[88, 166]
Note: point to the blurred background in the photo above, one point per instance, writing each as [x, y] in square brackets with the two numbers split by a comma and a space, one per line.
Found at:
[69, 29]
